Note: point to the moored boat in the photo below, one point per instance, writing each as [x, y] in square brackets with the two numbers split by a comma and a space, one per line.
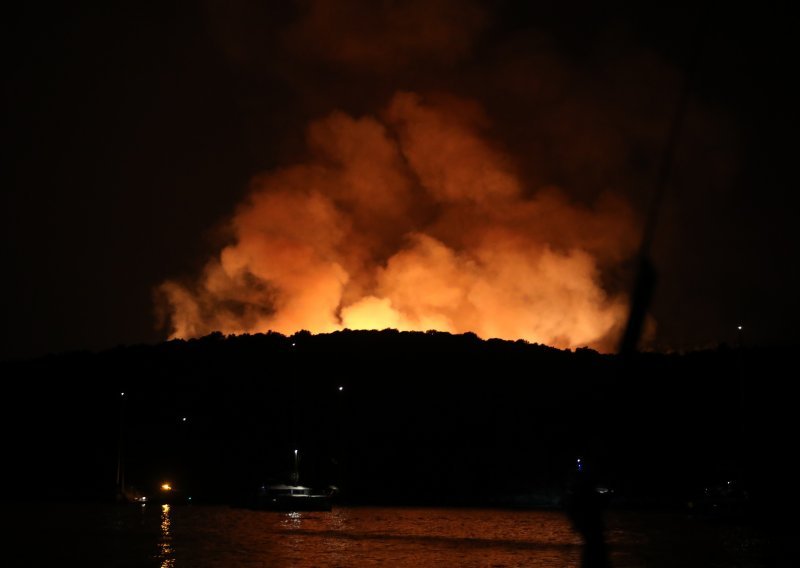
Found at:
[292, 496]
[280, 497]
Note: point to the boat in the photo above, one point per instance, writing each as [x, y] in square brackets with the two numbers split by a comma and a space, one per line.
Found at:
[292, 496]
[289, 498]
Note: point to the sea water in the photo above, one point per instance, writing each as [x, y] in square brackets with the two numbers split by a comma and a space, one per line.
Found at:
[203, 537]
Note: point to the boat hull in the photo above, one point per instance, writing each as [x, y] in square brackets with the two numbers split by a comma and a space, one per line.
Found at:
[293, 503]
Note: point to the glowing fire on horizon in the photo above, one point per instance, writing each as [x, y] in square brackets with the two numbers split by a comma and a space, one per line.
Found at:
[413, 221]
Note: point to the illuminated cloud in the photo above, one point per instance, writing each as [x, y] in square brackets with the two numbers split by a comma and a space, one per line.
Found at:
[411, 220]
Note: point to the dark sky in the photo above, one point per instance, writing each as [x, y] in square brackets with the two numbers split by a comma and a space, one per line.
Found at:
[132, 131]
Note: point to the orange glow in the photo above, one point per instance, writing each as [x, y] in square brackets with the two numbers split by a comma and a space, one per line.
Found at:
[166, 487]
[413, 221]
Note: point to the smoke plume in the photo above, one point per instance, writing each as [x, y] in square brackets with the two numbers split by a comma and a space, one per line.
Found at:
[411, 219]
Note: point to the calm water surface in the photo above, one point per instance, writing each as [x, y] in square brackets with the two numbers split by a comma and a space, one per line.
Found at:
[204, 537]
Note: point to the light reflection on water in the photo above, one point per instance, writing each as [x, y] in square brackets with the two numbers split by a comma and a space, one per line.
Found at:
[212, 537]
[421, 537]
[166, 554]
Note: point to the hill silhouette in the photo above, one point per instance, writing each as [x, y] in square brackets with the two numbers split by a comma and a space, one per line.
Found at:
[398, 417]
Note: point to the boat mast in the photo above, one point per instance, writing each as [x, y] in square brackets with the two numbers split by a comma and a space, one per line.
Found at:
[120, 470]
[296, 472]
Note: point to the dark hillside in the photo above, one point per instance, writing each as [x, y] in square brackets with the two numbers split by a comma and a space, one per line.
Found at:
[395, 417]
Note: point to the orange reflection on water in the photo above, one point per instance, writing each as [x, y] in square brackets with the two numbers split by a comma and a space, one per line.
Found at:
[414, 537]
[166, 552]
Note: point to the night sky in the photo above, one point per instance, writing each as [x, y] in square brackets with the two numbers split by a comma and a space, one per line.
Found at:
[133, 131]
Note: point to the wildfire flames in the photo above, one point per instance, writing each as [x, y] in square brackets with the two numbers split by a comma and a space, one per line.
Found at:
[411, 220]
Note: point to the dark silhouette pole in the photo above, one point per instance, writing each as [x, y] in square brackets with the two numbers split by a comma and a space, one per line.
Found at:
[120, 469]
[585, 508]
[645, 271]
[584, 504]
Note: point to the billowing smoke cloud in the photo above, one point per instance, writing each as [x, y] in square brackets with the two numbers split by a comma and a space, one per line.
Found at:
[411, 219]
[424, 212]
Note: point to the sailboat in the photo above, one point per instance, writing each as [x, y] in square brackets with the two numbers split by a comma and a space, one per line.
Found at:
[124, 493]
[292, 497]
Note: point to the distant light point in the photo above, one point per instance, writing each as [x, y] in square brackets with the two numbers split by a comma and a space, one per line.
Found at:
[183, 419]
[122, 394]
[739, 327]
[294, 344]
[341, 388]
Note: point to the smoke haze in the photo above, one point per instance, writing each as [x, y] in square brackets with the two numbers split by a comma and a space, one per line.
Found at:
[448, 179]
